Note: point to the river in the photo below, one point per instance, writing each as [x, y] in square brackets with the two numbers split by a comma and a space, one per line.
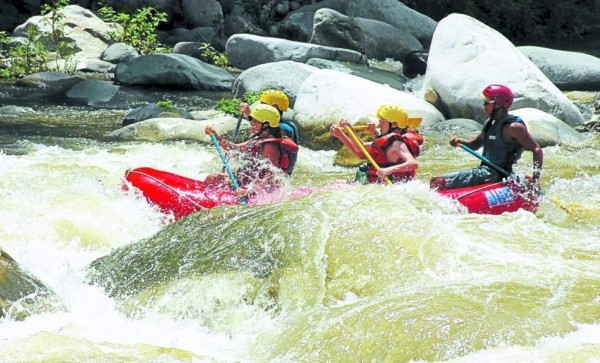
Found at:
[378, 274]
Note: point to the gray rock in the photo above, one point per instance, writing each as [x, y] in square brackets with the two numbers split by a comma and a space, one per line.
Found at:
[118, 52]
[375, 38]
[298, 25]
[56, 82]
[236, 24]
[149, 111]
[285, 76]
[202, 13]
[567, 70]
[380, 76]
[92, 93]
[396, 14]
[23, 295]
[173, 71]
[245, 51]
[177, 35]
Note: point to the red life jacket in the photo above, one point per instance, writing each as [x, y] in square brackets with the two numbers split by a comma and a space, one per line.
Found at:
[288, 150]
[378, 151]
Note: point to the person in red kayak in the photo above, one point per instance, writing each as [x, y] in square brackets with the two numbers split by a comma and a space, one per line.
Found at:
[503, 138]
[394, 152]
[266, 148]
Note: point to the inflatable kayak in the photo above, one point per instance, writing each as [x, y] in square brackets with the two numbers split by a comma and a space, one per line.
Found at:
[176, 194]
[495, 198]
[182, 196]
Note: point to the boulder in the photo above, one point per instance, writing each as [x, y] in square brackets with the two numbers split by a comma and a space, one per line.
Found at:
[246, 50]
[236, 25]
[415, 63]
[118, 52]
[396, 14]
[285, 76]
[83, 65]
[21, 294]
[374, 38]
[177, 35]
[152, 110]
[547, 129]
[54, 82]
[567, 70]
[172, 71]
[92, 93]
[87, 33]
[380, 76]
[163, 129]
[298, 25]
[327, 96]
[202, 13]
[466, 56]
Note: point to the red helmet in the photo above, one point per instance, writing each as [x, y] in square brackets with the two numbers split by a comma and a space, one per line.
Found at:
[499, 93]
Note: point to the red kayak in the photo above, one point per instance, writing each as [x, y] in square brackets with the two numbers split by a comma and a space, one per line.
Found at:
[182, 196]
[495, 198]
[177, 194]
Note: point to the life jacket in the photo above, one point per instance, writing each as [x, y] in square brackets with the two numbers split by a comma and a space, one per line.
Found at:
[288, 152]
[499, 151]
[290, 130]
[378, 151]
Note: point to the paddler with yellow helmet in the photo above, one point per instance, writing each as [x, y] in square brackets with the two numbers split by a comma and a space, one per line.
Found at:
[266, 143]
[392, 150]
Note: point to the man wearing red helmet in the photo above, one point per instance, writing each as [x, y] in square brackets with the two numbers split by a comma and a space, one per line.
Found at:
[503, 138]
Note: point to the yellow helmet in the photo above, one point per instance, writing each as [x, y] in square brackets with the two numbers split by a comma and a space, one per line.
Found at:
[393, 114]
[274, 97]
[266, 113]
[414, 122]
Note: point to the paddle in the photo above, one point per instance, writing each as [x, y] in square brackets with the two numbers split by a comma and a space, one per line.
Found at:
[487, 161]
[365, 152]
[226, 164]
[237, 128]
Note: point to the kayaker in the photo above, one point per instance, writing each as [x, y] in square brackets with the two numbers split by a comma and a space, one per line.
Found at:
[281, 102]
[394, 152]
[267, 147]
[503, 138]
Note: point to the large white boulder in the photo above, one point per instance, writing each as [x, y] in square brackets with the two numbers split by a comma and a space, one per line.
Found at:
[466, 56]
[327, 96]
[547, 129]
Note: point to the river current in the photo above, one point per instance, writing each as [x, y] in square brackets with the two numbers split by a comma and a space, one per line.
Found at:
[364, 273]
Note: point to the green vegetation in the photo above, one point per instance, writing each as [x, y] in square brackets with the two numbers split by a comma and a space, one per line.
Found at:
[55, 20]
[137, 30]
[167, 105]
[213, 56]
[231, 105]
[28, 54]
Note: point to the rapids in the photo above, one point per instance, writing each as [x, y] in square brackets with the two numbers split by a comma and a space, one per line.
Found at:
[364, 273]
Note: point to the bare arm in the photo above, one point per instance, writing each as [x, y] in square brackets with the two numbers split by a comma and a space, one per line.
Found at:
[338, 132]
[475, 143]
[518, 131]
[399, 151]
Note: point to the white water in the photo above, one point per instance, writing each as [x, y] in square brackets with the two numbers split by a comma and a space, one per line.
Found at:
[63, 208]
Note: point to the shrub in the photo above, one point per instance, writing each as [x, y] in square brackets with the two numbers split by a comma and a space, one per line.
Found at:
[55, 20]
[231, 105]
[28, 57]
[137, 30]
[213, 56]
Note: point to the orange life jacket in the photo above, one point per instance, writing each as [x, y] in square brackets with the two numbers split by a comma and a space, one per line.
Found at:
[378, 151]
